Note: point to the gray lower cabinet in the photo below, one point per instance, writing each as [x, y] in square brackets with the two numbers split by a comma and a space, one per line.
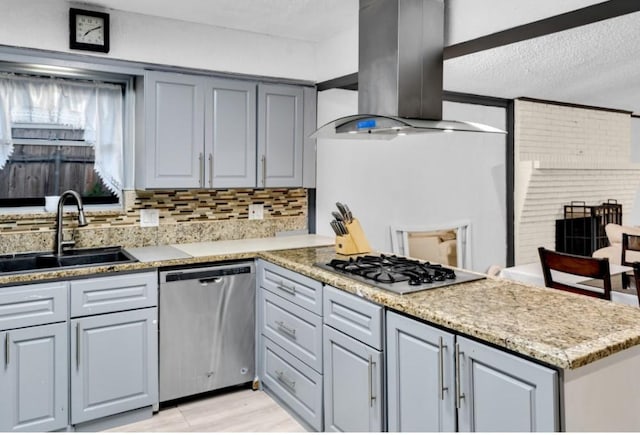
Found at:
[437, 381]
[33, 379]
[420, 382]
[113, 366]
[289, 337]
[33, 370]
[352, 384]
[500, 392]
[354, 393]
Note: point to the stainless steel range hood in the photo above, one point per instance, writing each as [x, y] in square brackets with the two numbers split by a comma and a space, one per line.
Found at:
[399, 73]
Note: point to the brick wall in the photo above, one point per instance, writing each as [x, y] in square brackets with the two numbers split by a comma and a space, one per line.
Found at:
[565, 154]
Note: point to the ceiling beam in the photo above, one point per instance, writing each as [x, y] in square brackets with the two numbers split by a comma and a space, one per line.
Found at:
[558, 23]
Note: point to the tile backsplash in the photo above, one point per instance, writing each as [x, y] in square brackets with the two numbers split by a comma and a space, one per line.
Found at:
[185, 216]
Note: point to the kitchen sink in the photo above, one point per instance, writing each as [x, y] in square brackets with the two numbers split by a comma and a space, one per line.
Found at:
[31, 262]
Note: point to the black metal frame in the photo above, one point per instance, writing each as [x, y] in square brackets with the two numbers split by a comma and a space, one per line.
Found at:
[74, 44]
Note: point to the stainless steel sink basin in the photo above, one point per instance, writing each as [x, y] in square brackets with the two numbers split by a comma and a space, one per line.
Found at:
[38, 261]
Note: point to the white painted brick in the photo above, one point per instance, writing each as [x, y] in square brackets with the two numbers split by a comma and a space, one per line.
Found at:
[590, 145]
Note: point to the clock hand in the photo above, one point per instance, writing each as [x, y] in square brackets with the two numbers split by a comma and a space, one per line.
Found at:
[91, 30]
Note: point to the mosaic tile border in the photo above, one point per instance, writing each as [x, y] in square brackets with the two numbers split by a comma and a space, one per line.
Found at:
[186, 216]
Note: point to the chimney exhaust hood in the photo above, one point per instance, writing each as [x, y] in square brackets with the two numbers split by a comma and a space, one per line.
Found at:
[399, 74]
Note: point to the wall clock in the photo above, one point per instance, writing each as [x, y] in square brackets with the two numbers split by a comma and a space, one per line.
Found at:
[88, 30]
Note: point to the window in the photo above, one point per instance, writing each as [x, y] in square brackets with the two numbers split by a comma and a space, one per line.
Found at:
[57, 135]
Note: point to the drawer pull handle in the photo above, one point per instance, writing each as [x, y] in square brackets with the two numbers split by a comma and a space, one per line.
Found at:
[284, 288]
[372, 396]
[459, 394]
[78, 345]
[287, 330]
[290, 384]
[201, 164]
[7, 349]
[441, 347]
[210, 169]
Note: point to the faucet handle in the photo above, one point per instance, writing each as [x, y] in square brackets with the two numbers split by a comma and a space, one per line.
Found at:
[67, 244]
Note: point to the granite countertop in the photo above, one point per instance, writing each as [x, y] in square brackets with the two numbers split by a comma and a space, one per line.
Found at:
[559, 328]
[152, 257]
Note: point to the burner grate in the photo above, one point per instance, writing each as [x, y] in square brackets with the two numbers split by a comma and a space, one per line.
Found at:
[390, 269]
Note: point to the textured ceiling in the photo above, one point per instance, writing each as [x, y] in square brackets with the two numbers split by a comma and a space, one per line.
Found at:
[307, 20]
[597, 65]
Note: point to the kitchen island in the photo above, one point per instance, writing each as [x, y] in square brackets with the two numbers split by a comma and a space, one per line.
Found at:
[592, 343]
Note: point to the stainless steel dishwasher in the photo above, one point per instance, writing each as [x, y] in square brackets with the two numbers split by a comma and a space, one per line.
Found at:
[207, 328]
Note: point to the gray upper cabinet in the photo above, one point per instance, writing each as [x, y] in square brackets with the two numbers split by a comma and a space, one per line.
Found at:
[170, 150]
[500, 392]
[206, 132]
[280, 135]
[420, 382]
[33, 379]
[230, 133]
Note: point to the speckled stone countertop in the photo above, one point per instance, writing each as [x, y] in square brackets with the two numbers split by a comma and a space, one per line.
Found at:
[171, 255]
[559, 328]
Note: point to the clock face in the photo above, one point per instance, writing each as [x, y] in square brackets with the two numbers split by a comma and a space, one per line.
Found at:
[90, 30]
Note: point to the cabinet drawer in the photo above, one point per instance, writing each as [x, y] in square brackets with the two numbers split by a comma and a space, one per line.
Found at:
[295, 329]
[113, 293]
[297, 385]
[354, 316]
[35, 304]
[292, 286]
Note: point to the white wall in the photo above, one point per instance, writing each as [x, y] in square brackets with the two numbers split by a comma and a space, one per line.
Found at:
[44, 24]
[417, 180]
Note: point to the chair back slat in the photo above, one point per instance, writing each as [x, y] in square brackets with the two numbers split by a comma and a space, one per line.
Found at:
[596, 268]
[636, 276]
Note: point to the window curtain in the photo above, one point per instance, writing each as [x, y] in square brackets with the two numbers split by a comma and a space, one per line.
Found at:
[96, 108]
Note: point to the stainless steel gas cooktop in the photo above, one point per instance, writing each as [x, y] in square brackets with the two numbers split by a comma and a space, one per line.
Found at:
[398, 274]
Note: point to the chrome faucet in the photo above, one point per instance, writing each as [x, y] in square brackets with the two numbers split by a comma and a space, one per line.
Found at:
[59, 243]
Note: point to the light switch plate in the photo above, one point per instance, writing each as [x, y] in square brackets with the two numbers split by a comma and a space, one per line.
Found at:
[149, 217]
[256, 211]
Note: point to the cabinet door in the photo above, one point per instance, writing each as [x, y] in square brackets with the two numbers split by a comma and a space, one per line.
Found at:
[34, 379]
[353, 394]
[230, 133]
[280, 137]
[500, 392]
[419, 377]
[174, 126]
[114, 363]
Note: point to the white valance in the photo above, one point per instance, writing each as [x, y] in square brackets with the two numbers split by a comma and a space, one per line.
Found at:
[95, 108]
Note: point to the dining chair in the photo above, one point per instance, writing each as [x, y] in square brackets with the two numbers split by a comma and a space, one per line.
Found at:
[630, 242]
[595, 268]
[636, 276]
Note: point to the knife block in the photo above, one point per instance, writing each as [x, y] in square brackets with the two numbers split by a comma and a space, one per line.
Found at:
[353, 243]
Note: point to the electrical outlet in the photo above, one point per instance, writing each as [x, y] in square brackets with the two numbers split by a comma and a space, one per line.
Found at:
[256, 211]
[149, 217]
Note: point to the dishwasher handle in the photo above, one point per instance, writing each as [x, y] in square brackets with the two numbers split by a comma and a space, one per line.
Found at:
[214, 280]
[210, 275]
